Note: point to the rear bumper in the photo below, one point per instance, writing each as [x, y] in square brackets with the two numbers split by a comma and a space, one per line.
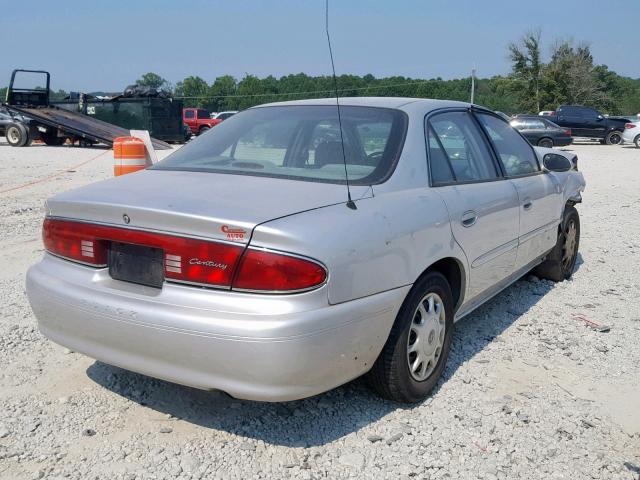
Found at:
[562, 141]
[630, 134]
[257, 347]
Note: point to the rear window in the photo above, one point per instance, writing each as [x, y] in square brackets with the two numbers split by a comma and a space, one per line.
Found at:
[299, 142]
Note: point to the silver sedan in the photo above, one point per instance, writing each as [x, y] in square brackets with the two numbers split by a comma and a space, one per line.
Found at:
[239, 263]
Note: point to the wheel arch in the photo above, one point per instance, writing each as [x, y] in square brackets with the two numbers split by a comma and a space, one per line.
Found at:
[453, 270]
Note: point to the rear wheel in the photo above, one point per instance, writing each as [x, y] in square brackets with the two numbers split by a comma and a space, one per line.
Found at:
[545, 142]
[613, 138]
[561, 260]
[415, 354]
[17, 135]
[637, 141]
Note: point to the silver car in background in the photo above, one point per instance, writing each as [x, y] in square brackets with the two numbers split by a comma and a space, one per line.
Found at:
[237, 263]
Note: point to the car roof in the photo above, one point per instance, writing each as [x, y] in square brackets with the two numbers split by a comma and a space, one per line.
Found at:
[380, 102]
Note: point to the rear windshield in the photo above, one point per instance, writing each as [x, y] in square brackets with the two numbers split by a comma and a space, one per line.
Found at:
[299, 142]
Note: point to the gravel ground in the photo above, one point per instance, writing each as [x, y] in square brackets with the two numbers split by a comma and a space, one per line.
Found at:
[529, 392]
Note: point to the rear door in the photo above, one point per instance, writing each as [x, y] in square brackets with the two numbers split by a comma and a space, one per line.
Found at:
[595, 124]
[571, 117]
[539, 194]
[482, 206]
[532, 129]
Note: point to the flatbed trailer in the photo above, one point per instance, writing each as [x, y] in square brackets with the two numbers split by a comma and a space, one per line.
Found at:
[59, 123]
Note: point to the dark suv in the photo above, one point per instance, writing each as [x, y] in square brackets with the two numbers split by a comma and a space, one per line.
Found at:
[587, 122]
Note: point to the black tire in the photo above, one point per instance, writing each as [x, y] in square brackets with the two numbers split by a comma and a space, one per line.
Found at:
[52, 139]
[613, 138]
[560, 262]
[391, 376]
[637, 141]
[203, 130]
[17, 135]
[545, 142]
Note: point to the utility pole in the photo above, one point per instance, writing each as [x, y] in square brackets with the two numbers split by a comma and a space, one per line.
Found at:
[473, 84]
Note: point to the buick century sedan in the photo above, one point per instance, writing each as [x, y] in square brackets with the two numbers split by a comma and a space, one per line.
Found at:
[240, 264]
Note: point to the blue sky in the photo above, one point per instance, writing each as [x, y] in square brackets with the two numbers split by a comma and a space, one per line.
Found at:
[105, 45]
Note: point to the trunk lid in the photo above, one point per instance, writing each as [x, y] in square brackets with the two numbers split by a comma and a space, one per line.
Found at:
[208, 205]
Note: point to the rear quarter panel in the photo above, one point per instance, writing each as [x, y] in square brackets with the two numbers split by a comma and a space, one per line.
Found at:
[386, 243]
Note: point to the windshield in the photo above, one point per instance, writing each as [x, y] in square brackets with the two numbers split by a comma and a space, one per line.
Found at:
[299, 142]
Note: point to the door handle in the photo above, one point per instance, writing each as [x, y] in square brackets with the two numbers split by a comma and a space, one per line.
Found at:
[527, 204]
[469, 218]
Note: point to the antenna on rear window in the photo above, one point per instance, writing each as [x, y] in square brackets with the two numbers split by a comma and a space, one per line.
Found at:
[350, 203]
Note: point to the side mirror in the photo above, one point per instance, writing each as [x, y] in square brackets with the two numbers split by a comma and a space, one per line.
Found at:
[556, 163]
[600, 117]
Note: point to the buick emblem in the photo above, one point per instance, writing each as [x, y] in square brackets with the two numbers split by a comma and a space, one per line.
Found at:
[126, 218]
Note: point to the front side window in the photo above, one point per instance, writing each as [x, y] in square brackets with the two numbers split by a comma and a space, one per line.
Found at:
[203, 114]
[454, 141]
[300, 142]
[516, 155]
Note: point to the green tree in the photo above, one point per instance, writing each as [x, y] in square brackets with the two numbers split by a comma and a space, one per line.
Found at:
[152, 80]
[527, 67]
[196, 91]
[571, 77]
[221, 92]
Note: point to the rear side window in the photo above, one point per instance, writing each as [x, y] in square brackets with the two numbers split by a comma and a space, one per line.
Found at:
[189, 114]
[533, 125]
[457, 151]
[515, 153]
[300, 142]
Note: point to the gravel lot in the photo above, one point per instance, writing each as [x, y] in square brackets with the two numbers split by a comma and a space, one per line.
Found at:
[529, 392]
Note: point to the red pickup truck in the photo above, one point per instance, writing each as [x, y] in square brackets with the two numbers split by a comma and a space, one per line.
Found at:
[198, 120]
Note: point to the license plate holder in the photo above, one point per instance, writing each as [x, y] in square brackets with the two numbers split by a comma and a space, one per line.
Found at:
[136, 264]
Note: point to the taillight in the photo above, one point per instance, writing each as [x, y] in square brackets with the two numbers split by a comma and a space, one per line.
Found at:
[188, 260]
[568, 131]
[72, 241]
[185, 259]
[267, 271]
[199, 261]
[629, 125]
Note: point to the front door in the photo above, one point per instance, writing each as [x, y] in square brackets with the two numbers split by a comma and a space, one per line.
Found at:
[539, 194]
[483, 207]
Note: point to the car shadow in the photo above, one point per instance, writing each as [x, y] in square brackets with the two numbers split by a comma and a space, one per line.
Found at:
[327, 417]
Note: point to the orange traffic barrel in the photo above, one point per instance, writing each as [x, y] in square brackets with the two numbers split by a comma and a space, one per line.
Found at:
[129, 155]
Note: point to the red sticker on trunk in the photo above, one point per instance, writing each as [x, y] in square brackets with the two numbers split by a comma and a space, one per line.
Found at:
[233, 233]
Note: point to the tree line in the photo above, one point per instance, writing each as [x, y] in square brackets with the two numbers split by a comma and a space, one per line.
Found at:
[569, 76]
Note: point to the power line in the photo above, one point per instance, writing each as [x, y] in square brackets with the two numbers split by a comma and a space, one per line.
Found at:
[309, 92]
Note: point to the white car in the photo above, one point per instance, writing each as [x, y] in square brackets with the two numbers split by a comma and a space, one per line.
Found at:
[224, 115]
[631, 133]
[290, 250]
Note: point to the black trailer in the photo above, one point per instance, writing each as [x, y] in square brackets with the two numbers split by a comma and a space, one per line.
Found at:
[161, 116]
[54, 125]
